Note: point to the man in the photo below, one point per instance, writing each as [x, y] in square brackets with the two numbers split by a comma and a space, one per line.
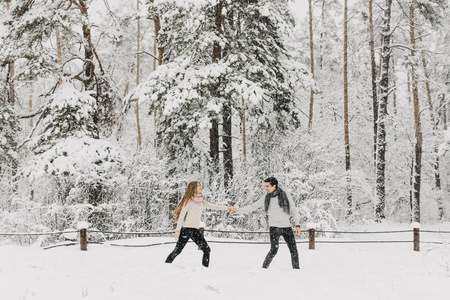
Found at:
[279, 206]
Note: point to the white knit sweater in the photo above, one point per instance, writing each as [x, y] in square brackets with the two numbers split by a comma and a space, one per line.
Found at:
[277, 217]
[192, 212]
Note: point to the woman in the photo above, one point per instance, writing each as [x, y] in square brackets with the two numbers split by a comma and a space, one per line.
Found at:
[187, 215]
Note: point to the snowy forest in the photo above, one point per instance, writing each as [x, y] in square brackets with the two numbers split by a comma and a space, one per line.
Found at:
[110, 108]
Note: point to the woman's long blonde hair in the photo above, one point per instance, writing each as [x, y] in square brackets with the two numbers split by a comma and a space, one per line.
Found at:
[191, 190]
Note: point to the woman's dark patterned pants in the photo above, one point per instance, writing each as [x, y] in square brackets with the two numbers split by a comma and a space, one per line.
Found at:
[197, 237]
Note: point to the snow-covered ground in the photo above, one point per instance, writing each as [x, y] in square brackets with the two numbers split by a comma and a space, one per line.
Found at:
[332, 271]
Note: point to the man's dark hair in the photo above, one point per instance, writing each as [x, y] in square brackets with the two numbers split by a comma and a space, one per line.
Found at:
[272, 181]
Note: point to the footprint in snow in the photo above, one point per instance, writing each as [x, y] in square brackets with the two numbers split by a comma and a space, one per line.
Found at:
[212, 289]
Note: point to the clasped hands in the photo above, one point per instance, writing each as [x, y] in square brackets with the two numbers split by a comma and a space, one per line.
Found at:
[232, 208]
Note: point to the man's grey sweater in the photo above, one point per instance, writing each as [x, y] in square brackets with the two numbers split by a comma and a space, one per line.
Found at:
[277, 217]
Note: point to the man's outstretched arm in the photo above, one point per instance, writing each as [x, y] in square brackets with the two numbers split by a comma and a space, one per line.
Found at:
[252, 207]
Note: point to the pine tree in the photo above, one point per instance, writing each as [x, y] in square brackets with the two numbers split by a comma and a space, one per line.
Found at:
[68, 148]
[34, 26]
[68, 113]
[193, 91]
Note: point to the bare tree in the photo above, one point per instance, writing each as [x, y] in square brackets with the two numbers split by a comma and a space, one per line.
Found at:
[138, 68]
[374, 81]
[346, 130]
[321, 36]
[10, 75]
[157, 54]
[311, 47]
[437, 174]
[417, 122]
[244, 136]
[216, 56]
[227, 128]
[381, 132]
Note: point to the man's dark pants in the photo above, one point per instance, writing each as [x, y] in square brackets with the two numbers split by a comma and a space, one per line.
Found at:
[288, 235]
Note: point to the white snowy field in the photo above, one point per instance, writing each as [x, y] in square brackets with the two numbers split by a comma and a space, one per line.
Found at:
[332, 271]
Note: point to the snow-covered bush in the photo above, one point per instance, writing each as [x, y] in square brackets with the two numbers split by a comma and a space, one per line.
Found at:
[309, 170]
[70, 159]
[149, 191]
[24, 216]
[68, 113]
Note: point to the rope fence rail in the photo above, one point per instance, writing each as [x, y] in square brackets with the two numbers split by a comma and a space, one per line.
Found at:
[35, 233]
[311, 237]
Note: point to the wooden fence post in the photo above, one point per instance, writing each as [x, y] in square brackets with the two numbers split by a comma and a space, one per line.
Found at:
[312, 238]
[416, 239]
[83, 239]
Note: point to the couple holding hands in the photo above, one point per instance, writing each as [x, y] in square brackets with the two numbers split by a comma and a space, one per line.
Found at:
[277, 203]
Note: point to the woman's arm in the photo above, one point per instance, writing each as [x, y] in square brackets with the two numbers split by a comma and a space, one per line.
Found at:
[218, 207]
[214, 206]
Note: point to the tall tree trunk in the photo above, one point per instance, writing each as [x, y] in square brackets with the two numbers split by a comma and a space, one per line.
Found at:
[411, 187]
[321, 35]
[138, 69]
[346, 130]
[58, 46]
[10, 84]
[409, 86]
[58, 43]
[9, 76]
[157, 22]
[311, 48]
[374, 83]
[11, 99]
[157, 28]
[417, 123]
[30, 103]
[394, 85]
[227, 143]
[437, 174]
[88, 51]
[216, 56]
[381, 137]
[244, 137]
[443, 112]
[444, 108]
[227, 124]
[214, 144]
[394, 91]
